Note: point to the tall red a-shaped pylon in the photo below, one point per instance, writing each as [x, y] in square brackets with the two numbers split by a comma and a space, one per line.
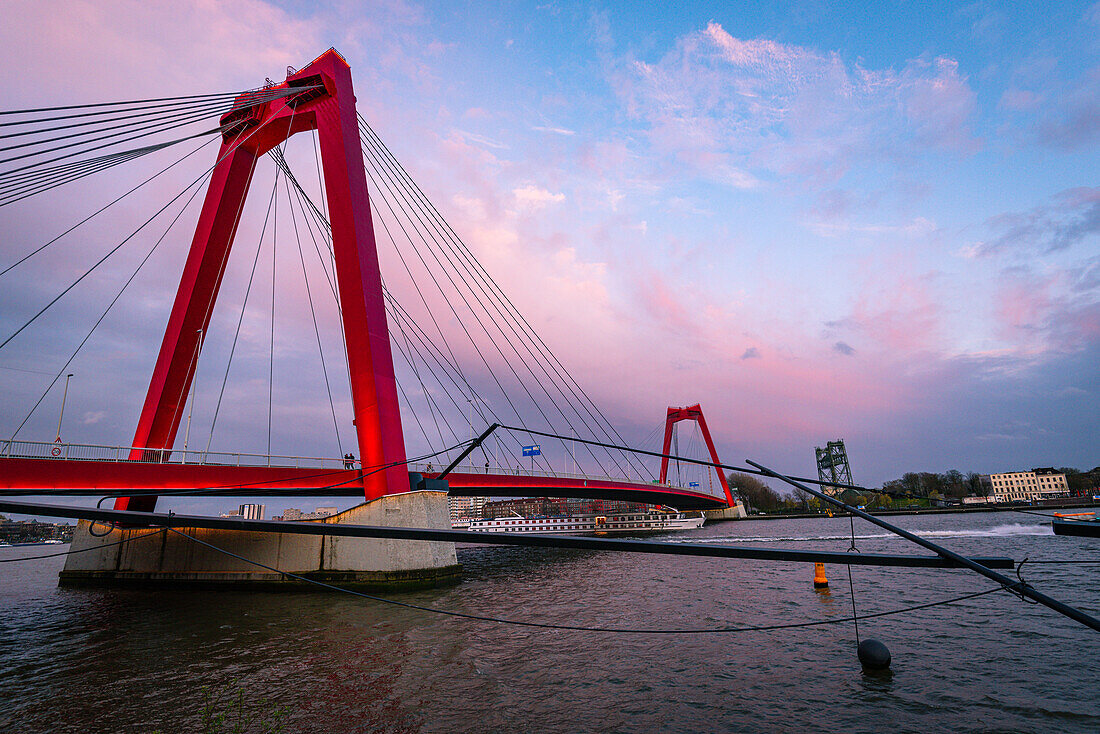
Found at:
[326, 103]
[691, 413]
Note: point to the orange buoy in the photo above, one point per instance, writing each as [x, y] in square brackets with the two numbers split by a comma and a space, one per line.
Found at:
[820, 582]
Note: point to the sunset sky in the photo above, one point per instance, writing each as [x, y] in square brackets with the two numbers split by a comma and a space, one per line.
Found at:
[817, 221]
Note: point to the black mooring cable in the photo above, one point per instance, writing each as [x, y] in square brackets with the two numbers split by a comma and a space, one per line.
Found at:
[70, 552]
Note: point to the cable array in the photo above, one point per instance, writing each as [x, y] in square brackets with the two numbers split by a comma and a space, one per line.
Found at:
[487, 318]
[465, 353]
[25, 171]
[241, 138]
[410, 342]
[422, 346]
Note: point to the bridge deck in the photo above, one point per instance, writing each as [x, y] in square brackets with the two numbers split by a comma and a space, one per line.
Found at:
[21, 475]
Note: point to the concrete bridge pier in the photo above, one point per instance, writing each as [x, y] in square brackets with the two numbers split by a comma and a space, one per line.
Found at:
[733, 512]
[152, 558]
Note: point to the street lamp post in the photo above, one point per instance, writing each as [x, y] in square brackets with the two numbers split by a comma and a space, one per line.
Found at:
[64, 397]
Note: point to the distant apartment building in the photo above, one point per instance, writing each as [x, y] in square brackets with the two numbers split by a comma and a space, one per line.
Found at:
[292, 514]
[251, 512]
[466, 508]
[30, 531]
[1025, 486]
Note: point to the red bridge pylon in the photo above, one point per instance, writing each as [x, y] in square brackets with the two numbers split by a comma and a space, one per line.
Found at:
[692, 413]
[326, 104]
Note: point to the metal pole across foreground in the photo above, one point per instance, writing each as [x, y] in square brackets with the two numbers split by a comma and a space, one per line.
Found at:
[1017, 586]
[145, 519]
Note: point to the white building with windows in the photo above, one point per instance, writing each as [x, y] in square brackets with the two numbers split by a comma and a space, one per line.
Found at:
[248, 512]
[464, 509]
[293, 514]
[251, 512]
[1025, 486]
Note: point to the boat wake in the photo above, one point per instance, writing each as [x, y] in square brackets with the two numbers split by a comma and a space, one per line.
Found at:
[998, 531]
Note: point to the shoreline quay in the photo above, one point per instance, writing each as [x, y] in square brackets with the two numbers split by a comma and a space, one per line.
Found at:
[922, 511]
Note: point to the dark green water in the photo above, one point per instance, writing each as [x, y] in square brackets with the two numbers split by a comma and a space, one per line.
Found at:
[114, 661]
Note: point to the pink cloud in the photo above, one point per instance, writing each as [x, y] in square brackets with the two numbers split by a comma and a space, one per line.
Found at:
[1072, 122]
[531, 196]
[1020, 100]
[1022, 304]
[1070, 217]
[1044, 315]
[939, 104]
[735, 109]
[191, 46]
[666, 309]
[898, 314]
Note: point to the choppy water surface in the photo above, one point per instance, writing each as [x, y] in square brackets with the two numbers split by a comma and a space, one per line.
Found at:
[100, 660]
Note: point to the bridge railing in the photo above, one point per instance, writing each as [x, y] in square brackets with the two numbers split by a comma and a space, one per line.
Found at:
[520, 471]
[98, 452]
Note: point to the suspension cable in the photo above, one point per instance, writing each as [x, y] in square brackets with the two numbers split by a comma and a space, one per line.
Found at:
[102, 209]
[240, 320]
[394, 309]
[312, 310]
[115, 249]
[481, 301]
[451, 307]
[130, 102]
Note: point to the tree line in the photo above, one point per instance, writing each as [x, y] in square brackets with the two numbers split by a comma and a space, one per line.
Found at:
[758, 495]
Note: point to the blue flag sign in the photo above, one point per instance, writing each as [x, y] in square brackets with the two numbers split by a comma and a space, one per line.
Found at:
[693, 484]
[535, 450]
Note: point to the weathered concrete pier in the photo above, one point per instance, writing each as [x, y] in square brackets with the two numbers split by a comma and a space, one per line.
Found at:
[733, 512]
[164, 558]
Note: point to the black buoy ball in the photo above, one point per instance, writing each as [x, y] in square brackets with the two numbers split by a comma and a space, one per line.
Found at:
[873, 655]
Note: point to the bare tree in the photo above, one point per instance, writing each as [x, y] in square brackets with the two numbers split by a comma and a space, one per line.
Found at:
[755, 493]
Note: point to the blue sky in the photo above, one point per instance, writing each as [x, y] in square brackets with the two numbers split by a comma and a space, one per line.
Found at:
[877, 223]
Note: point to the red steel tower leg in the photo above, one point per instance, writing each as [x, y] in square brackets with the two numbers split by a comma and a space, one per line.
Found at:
[198, 289]
[326, 103]
[692, 413]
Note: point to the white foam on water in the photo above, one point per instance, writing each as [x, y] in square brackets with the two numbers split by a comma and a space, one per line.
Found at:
[998, 531]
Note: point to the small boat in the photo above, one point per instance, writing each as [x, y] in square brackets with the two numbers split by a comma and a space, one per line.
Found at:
[1081, 524]
[625, 522]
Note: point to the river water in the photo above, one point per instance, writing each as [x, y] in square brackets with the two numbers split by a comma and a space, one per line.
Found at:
[135, 661]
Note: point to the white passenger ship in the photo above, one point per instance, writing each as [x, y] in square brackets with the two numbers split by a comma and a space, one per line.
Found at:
[625, 522]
